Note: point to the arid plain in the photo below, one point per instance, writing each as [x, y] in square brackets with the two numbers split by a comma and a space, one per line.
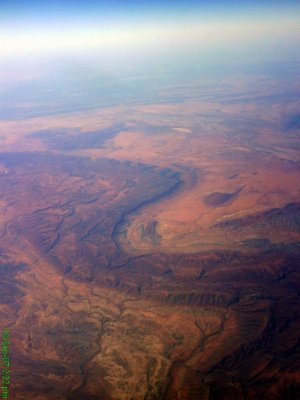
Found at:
[151, 250]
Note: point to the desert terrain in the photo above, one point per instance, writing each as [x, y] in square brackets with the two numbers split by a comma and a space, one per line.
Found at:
[150, 250]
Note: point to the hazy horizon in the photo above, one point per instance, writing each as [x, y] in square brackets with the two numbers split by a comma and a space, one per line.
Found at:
[139, 29]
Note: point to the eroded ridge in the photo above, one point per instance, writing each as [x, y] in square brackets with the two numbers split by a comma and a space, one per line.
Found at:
[91, 321]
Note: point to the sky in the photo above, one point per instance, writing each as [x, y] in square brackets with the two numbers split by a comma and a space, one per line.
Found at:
[120, 34]
[100, 44]
[55, 27]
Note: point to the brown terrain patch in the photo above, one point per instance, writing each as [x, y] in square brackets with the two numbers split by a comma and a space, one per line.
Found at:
[156, 257]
